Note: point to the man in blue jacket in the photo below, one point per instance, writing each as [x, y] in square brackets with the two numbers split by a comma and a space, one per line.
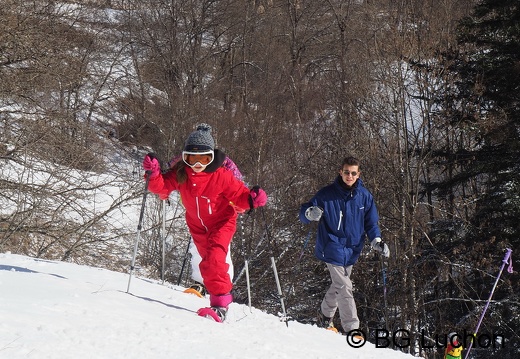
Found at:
[346, 213]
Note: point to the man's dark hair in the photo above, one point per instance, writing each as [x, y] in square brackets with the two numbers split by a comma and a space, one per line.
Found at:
[350, 161]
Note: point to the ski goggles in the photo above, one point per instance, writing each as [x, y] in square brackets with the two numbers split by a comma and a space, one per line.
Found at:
[202, 158]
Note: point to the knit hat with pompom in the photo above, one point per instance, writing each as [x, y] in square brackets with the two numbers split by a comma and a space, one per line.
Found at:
[200, 140]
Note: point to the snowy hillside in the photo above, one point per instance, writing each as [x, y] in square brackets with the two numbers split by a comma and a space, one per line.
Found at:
[61, 310]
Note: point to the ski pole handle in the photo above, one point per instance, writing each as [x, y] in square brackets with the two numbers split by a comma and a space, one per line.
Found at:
[507, 260]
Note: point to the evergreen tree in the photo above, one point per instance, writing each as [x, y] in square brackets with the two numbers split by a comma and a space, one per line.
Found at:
[482, 167]
[492, 72]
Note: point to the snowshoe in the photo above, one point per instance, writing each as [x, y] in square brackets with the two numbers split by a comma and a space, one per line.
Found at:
[218, 314]
[198, 289]
[356, 336]
[325, 322]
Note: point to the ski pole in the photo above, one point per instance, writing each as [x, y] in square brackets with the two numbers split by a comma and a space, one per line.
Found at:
[132, 265]
[305, 244]
[510, 270]
[383, 271]
[184, 262]
[163, 238]
[246, 262]
[273, 263]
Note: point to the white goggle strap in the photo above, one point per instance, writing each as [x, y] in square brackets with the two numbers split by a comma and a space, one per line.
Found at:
[184, 153]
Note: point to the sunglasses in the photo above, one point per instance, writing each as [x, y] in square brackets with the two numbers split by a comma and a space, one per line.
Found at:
[202, 158]
[353, 173]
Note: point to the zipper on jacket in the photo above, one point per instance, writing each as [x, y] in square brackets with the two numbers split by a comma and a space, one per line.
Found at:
[210, 211]
[340, 218]
[198, 213]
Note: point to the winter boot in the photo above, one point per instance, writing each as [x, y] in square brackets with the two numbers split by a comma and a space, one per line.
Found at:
[218, 307]
[223, 300]
[221, 312]
[198, 289]
[325, 322]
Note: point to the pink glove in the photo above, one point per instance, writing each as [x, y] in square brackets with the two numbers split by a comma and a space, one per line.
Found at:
[151, 165]
[258, 197]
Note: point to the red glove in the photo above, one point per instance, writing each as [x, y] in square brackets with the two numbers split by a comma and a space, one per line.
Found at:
[258, 197]
[151, 165]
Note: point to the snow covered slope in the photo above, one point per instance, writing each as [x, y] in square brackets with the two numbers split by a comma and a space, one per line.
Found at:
[60, 310]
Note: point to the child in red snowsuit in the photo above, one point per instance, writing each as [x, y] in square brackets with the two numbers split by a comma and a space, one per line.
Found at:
[209, 193]
[197, 287]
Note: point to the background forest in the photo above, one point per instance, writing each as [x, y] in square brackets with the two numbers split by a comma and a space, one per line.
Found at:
[425, 93]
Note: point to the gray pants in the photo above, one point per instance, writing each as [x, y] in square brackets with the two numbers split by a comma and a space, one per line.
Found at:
[339, 296]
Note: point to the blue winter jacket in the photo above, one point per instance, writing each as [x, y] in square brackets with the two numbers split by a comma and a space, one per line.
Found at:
[348, 214]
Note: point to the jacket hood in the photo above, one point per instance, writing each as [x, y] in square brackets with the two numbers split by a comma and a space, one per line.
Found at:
[343, 186]
[217, 162]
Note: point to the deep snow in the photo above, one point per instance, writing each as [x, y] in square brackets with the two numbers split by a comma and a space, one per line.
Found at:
[61, 310]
